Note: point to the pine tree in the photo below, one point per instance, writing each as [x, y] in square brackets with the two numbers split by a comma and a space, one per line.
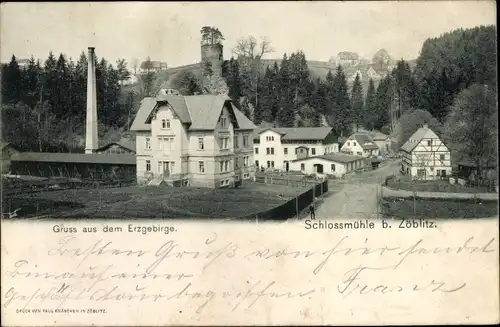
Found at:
[50, 83]
[286, 113]
[122, 70]
[31, 83]
[357, 101]
[233, 80]
[341, 104]
[12, 82]
[383, 100]
[61, 108]
[369, 107]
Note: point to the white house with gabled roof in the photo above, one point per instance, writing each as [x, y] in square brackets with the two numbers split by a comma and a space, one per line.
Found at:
[425, 156]
[201, 140]
[275, 148]
[360, 144]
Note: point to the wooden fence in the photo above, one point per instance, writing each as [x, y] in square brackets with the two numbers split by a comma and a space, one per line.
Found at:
[291, 208]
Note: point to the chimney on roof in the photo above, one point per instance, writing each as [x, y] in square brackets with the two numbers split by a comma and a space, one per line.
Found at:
[91, 128]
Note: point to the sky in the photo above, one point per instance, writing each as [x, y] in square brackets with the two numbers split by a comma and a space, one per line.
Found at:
[170, 31]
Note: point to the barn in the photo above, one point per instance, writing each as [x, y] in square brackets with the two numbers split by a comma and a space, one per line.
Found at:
[334, 164]
[101, 168]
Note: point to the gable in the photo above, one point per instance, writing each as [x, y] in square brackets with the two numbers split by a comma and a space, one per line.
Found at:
[420, 135]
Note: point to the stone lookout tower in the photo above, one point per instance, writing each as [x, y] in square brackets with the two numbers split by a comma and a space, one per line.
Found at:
[211, 56]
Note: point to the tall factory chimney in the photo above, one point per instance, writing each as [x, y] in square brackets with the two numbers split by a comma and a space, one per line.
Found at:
[91, 129]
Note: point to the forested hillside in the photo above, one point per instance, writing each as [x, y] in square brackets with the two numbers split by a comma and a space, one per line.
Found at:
[452, 88]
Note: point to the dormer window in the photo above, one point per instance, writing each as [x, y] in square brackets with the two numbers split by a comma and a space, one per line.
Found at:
[165, 123]
[223, 122]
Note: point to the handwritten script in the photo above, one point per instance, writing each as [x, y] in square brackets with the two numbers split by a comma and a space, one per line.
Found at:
[72, 270]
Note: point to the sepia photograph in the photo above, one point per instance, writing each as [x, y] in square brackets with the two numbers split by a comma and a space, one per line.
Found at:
[219, 124]
[134, 118]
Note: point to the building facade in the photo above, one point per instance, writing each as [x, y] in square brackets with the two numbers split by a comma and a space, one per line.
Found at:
[360, 144]
[333, 164]
[425, 156]
[275, 148]
[202, 141]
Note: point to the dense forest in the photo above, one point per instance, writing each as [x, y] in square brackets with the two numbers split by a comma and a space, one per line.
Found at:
[452, 88]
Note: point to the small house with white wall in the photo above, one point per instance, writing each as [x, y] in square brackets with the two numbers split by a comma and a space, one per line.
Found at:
[425, 156]
[360, 144]
[275, 148]
[333, 164]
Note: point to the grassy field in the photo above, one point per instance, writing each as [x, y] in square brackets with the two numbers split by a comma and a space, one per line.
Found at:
[438, 208]
[138, 202]
[403, 183]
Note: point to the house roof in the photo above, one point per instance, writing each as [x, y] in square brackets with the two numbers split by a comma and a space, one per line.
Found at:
[124, 144]
[334, 157]
[415, 139]
[378, 136]
[93, 158]
[364, 140]
[200, 112]
[298, 133]
[346, 55]
[145, 109]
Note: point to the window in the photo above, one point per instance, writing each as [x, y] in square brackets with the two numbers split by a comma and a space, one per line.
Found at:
[148, 143]
[148, 165]
[224, 141]
[245, 141]
[223, 122]
[269, 138]
[165, 143]
[245, 161]
[256, 150]
[224, 166]
[333, 167]
[443, 173]
[236, 163]
[246, 176]
[235, 141]
[441, 157]
[222, 183]
[160, 166]
[201, 166]
[348, 143]
[302, 167]
[285, 150]
[313, 151]
[268, 164]
[257, 163]
[421, 172]
[270, 150]
[353, 143]
[165, 123]
[272, 164]
[429, 142]
[201, 144]
[237, 178]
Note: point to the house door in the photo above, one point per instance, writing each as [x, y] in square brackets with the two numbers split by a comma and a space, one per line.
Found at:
[287, 166]
[166, 168]
[318, 168]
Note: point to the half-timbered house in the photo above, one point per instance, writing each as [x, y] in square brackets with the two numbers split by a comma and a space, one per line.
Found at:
[425, 156]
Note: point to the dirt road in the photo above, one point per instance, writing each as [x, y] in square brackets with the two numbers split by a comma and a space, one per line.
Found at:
[358, 196]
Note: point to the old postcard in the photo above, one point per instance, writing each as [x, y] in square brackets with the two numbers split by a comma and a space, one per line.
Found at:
[249, 163]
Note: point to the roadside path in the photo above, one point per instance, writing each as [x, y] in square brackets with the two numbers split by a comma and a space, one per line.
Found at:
[358, 196]
[387, 192]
